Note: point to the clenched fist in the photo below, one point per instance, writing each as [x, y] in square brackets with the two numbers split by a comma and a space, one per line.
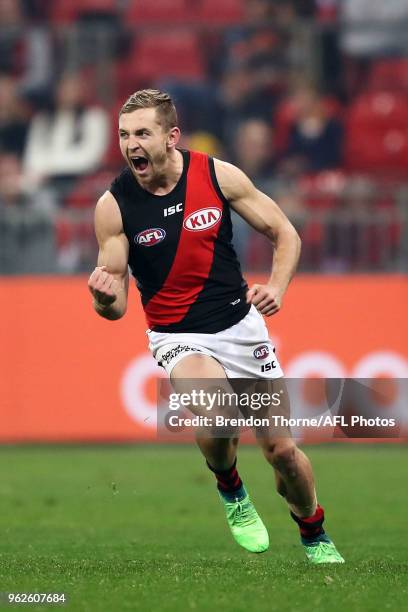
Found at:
[103, 286]
[265, 298]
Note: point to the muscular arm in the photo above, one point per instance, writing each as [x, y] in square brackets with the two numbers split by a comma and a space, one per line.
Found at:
[109, 281]
[266, 217]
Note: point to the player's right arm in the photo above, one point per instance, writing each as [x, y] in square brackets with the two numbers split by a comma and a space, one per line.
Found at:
[109, 282]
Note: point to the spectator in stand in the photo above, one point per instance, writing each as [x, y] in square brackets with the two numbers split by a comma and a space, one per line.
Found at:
[316, 138]
[27, 237]
[253, 153]
[25, 50]
[13, 118]
[253, 67]
[16, 192]
[197, 104]
[247, 74]
[303, 8]
[68, 141]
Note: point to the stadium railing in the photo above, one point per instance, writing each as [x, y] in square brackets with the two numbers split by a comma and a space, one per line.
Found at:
[332, 242]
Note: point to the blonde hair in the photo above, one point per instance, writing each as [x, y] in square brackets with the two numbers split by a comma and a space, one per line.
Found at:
[153, 98]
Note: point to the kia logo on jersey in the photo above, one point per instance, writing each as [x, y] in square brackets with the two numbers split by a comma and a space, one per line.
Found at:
[150, 237]
[261, 352]
[202, 219]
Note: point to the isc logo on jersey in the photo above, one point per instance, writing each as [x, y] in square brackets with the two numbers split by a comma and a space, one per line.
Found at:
[150, 237]
[202, 219]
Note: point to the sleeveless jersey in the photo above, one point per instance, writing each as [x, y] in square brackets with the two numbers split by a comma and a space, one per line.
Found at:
[180, 250]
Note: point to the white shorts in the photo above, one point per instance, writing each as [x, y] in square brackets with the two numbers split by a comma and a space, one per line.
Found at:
[244, 350]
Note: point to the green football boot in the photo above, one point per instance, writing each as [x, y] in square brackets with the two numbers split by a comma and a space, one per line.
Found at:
[245, 524]
[322, 551]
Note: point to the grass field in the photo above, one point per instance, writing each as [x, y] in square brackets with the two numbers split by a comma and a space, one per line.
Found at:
[141, 528]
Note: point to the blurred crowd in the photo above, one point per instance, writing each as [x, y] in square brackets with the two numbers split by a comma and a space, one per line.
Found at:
[308, 97]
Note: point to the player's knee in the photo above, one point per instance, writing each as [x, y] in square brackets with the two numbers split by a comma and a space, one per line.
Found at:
[282, 456]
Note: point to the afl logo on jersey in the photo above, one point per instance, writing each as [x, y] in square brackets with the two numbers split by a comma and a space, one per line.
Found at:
[261, 352]
[202, 219]
[150, 237]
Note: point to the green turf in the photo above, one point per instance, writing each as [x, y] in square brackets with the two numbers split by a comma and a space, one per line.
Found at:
[141, 528]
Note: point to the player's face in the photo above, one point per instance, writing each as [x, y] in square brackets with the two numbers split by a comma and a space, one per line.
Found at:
[143, 142]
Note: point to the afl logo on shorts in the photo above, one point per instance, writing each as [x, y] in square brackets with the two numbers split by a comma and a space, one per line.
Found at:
[202, 219]
[150, 237]
[261, 352]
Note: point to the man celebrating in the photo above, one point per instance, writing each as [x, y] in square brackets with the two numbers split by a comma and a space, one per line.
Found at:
[167, 217]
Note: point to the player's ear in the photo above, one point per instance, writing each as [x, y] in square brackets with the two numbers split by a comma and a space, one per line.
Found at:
[173, 137]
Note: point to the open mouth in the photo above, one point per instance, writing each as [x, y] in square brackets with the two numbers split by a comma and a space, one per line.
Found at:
[139, 163]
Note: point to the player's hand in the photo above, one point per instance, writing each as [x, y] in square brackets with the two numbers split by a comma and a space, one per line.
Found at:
[266, 298]
[103, 286]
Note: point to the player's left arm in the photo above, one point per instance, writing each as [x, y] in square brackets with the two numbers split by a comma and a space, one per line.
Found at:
[266, 217]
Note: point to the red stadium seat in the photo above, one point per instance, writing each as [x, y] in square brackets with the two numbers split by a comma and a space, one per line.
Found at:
[384, 108]
[389, 74]
[63, 232]
[64, 11]
[98, 6]
[67, 11]
[373, 149]
[221, 11]
[321, 191]
[184, 11]
[377, 134]
[113, 158]
[88, 190]
[284, 118]
[166, 54]
[157, 11]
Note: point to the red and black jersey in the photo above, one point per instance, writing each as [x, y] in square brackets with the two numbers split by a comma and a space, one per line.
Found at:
[180, 250]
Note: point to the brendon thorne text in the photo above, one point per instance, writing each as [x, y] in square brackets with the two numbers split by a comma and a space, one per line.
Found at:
[178, 420]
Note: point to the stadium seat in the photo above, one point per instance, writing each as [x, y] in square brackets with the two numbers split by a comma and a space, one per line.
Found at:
[67, 11]
[221, 11]
[284, 117]
[371, 149]
[166, 54]
[63, 232]
[389, 74]
[88, 190]
[64, 11]
[99, 5]
[321, 191]
[377, 133]
[379, 109]
[157, 11]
